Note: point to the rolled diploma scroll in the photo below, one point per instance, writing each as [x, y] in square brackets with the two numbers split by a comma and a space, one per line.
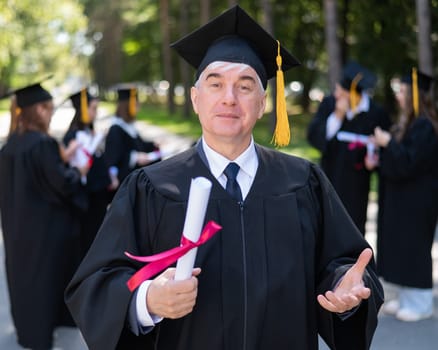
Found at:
[196, 207]
[347, 136]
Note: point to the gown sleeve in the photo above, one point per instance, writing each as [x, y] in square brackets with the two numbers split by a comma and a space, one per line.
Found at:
[316, 132]
[411, 156]
[339, 245]
[97, 296]
[56, 181]
[114, 146]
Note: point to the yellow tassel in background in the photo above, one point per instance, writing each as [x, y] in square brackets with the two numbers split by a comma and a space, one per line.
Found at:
[354, 95]
[132, 102]
[415, 100]
[281, 136]
[84, 107]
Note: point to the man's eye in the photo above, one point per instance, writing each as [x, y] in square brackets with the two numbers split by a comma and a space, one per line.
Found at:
[245, 88]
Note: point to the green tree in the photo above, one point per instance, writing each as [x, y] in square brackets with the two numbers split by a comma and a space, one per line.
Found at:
[40, 37]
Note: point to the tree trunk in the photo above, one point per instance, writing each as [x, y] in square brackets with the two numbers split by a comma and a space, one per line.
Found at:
[332, 43]
[107, 60]
[424, 36]
[184, 67]
[167, 61]
[269, 27]
[205, 11]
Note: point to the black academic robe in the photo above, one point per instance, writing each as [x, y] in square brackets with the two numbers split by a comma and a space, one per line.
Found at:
[118, 147]
[344, 163]
[290, 240]
[410, 208]
[98, 195]
[39, 196]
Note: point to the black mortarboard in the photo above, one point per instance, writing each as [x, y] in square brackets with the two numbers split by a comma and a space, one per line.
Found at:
[234, 37]
[357, 77]
[80, 101]
[419, 82]
[424, 81]
[125, 90]
[77, 97]
[128, 92]
[31, 94]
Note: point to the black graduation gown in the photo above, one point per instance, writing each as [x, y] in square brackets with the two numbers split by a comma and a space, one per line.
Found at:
[118, 147]
[344, 166]
[290, 240]
[410, 209]
[40, 232]
[98, 196]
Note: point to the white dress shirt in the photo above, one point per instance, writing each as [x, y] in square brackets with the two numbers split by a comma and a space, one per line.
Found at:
[334, 124]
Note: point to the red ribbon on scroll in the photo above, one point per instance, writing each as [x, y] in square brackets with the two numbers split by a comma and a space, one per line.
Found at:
[160, 261]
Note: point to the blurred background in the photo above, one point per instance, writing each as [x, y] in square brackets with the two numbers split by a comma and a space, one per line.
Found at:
[102, 43]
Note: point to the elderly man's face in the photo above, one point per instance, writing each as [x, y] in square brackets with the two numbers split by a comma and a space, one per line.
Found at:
[228, 99]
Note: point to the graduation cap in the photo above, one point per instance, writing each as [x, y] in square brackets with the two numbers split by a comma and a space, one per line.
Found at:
[355, 79]
[356, 76]
[31, 94]
[419, 82]
[235, 37]
[80, 101]
[128, 92]
[424, 81]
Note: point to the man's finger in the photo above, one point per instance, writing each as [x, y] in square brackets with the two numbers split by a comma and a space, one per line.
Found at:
[363, 261]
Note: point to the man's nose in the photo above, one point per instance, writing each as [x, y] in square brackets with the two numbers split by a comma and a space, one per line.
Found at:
[229, 95]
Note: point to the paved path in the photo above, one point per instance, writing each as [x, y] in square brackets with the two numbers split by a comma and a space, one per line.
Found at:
[391, 334]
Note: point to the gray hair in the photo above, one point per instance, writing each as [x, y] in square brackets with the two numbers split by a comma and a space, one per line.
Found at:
[227, 66]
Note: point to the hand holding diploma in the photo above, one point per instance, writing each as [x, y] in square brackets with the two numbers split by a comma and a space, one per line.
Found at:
[191, 238]
[354, 139]
[173, 293]
[351, 290]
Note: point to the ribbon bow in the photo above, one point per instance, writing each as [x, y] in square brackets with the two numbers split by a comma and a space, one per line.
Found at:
[160, 261]
[355, 144]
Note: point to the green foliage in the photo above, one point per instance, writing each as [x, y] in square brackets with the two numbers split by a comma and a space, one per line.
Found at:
[124, 38]
[39, 37]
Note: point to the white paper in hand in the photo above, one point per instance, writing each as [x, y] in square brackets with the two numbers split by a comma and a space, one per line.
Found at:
[197, 206]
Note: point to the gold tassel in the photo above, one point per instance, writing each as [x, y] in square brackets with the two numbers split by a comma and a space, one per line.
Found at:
[132, 102]
[354, 95]
[282, 131]
[84, 107]
[415, 100]
[15, 115]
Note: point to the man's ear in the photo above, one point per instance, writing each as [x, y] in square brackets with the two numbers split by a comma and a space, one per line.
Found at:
[39, 108]
[194, 98]
[262, 107]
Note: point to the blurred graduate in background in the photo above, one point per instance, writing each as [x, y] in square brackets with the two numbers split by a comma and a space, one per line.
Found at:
[408, 164]
[125, 149]
[40, 197]
[87, 146]
[349, 109]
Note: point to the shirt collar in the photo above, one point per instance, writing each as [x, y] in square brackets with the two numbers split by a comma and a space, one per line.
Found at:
[363, 106]
[247, 161]
[128, 127]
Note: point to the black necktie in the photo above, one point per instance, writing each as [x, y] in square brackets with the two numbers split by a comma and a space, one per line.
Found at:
[233, 187]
